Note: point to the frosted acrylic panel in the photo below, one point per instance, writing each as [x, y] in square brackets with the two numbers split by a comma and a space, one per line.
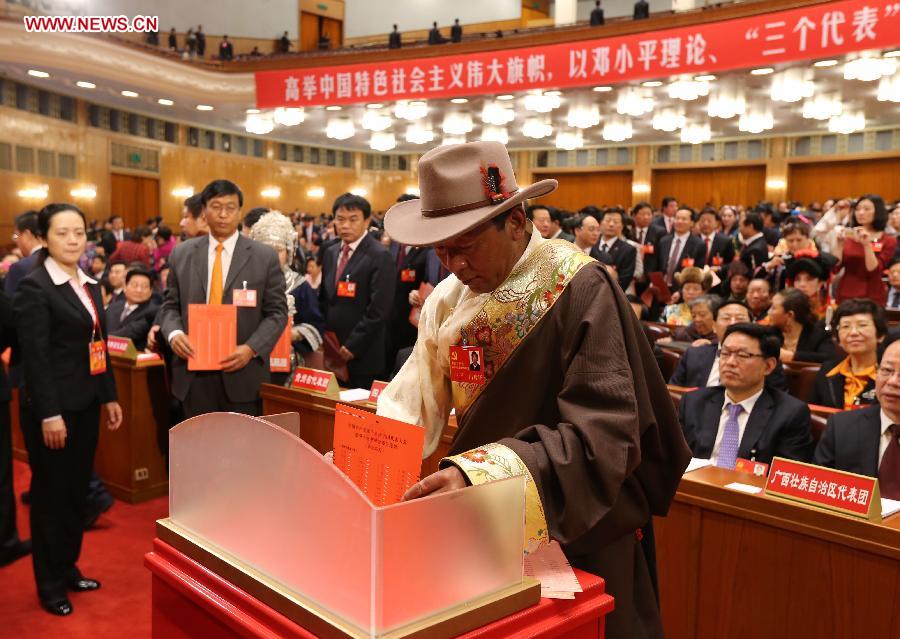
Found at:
[472, 538]
[247, 486]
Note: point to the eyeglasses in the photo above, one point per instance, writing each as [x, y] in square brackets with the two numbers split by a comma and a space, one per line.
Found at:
[886, 373]
[742, 356]
[218, 208]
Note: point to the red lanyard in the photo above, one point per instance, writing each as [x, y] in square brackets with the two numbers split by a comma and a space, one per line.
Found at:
[96, 328]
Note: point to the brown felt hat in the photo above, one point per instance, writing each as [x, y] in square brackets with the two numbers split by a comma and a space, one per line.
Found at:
[462, 186]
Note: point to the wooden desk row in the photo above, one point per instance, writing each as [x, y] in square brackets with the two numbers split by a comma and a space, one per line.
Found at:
[733, 565]
[317, 419]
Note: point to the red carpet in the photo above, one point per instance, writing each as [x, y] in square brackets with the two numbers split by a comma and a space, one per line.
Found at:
[113, 553]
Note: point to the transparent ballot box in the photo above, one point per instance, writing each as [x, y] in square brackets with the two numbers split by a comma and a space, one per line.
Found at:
[255, 503]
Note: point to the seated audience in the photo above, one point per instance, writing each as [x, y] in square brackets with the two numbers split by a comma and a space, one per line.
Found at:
[131, 314]
[858, 325]
[742, 417]
[702, 326]
[693, 283]
[811, 276]
[805, 336]
[867, 441]
[893, 298]
[759, 299]
[134, 249]
[699, 365]
[737, 281]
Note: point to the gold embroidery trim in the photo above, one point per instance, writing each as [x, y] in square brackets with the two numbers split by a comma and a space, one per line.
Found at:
[515, 308]
[493, 462]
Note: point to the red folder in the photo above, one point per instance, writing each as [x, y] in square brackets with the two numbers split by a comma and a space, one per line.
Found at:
[212, 329]
[333, 360]
[424, 291]
[280, 357]
[663, 294]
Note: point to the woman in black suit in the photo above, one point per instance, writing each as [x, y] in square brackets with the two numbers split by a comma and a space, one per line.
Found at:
[62, 330]
[805, 338]
[859, 326]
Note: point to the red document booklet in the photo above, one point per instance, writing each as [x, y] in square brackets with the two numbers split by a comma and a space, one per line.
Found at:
[212, 329]
[382, 456]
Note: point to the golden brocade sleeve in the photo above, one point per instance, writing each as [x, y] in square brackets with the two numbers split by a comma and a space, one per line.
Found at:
[493, 462]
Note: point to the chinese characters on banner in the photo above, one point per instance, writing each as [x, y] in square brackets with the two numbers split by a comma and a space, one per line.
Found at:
[816, 31]
[823, 486]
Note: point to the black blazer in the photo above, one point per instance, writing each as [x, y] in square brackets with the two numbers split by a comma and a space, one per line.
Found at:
[136, 325]
[54, 332]
[17, 273]
[360, 322]
[829, 391]
[694, 248]
[402, 332]
[7, 339]
[651, 235]
[641, 10]
[597, 18]
[778, 426]
[723, 248]
[697, 361]
[622, 255]
[659, 221]
[815, 344]
[755, 254]
[851, 441]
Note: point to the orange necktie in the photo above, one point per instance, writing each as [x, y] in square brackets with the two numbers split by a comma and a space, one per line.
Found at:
[215, 286]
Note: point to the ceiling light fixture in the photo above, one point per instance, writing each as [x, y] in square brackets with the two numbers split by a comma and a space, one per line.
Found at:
[696, 133]
[382, 141]
[459, 100]
[183, 191]
[536, 128]
[259, 123]
[414, 110]
[340, 128]
[634, 102]
[868, 68]
[457, 123]
[38, 74]
[376, 121]
[497, 113]
[726, 100]
[333, 107]
[668, 120]
[495, 134]
[847, 122]
[453, 139]
[84, 193]
[889, 89]
[762, 71]
[602, 89]
[505, 97]
[418, 134]
[569, 140]
[204, 107]
[271, 192]
[315, 192]
[130, 94]
[687, 89]
[583, 116]
[168, 102]
[705, 78]
[374, 105]
[617, 129]
[651, 84]
[541, 102]
[756, 120]
[792, 85]
[289, 116]
[85, 85]
[822, 106]
[824, 64]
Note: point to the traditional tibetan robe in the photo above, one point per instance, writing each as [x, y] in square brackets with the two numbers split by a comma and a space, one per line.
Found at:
[572, 399]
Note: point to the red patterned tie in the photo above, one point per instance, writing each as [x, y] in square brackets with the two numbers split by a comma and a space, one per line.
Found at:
[708, 246]
[342, 263]
[889, 470]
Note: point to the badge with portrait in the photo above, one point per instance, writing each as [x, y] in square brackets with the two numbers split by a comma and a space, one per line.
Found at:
[346, 289]
[244, 297]
[467, 364]
[97, 351]
[408, 275]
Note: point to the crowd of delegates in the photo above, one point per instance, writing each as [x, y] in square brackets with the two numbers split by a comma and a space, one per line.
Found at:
[742, 291]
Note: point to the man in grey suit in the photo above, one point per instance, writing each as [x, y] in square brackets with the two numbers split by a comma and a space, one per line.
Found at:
[239, 263]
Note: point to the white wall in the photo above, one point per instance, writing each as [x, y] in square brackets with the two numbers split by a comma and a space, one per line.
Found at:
[372, 17]
[244, 18]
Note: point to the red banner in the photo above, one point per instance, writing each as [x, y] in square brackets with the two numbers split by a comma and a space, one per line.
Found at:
[817, 31]
[825, 487]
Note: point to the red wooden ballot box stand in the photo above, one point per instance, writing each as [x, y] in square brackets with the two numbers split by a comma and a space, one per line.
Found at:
[190, 600]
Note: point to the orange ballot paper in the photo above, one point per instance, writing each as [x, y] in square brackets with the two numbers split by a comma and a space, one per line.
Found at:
[212, 329]
[382, 456]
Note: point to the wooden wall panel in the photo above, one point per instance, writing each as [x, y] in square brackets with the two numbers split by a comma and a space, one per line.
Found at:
[600, 188]
[132, 196]
[715, 185]
[309, 32]
[823, 180]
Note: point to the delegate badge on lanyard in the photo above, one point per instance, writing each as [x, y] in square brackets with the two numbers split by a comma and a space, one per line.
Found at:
[408, 275]
[244, 297]
[97, 350]
[467, 364]
[346, 289]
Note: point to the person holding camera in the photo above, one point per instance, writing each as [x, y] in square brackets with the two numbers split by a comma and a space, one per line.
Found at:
[864, 250]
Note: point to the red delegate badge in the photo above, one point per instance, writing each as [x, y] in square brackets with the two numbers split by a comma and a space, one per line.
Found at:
[97, 351]
[243, 297]
[408, 275]
[346, 289]
[467, 364]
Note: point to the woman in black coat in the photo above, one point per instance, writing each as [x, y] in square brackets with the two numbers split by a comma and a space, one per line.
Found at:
[62, 329]
[805, 338]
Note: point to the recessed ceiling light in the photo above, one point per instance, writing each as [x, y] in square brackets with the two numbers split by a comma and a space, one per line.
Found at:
[374, 105]
[38, 74]
[651, 83]
[553, 93]
[892, 54]
[251, 111]
[825, 63]
[165, 102]
[506, 96]
[459, 100]
[602, 89]
[204, 107]
[705, 78]
[129, 94]
[85, 85]
[332, 108]
[762, 71]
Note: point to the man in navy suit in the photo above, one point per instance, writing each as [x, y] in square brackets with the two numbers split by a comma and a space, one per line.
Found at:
[719, 247]
[755, 251]
[699, 365]
[357, 292]
[678, 249]
[742, 417]
[28, 244]
[867, 441]
[612, 250]
[667, 214]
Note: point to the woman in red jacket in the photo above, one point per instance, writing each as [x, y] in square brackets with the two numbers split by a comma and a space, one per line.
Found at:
[864, 250]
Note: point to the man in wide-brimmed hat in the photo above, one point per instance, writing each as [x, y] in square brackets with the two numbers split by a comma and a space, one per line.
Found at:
[555, 398]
